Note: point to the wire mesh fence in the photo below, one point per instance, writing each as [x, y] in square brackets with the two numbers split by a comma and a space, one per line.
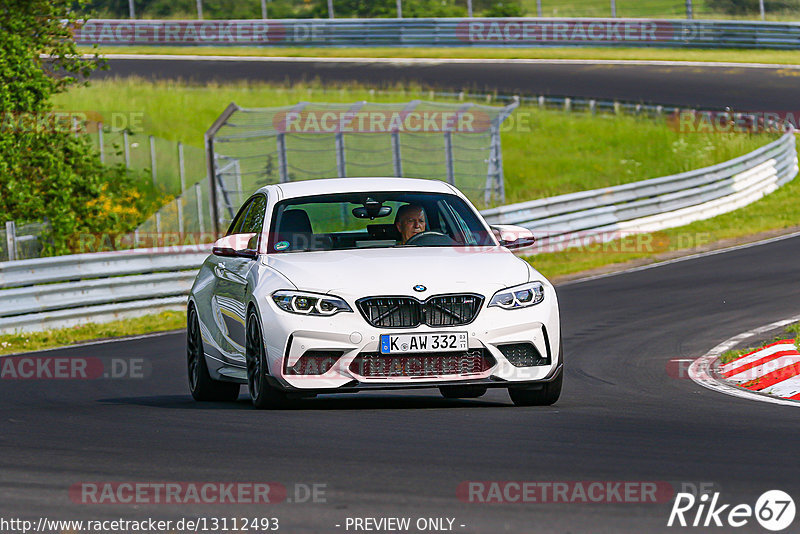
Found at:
[455, 142]
[22, 241]
[172, 165]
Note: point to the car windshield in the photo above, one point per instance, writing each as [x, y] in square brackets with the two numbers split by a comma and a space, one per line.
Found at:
[375, 220]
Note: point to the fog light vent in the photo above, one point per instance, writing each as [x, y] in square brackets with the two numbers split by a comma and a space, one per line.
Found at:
[523, 355]
[314, 362]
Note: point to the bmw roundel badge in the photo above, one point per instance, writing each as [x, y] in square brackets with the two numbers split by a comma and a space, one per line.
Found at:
[419, 288]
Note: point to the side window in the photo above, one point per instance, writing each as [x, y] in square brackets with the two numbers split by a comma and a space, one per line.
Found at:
[236, 225]
[254, 222]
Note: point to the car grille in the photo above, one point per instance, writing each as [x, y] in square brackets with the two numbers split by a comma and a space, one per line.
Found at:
[377, 365]
[408, 312]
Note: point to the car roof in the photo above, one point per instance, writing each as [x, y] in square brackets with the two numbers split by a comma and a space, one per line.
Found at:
[355, 185]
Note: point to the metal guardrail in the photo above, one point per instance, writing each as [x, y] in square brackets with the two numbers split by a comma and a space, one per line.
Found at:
[504, 32]
[65, 291]
[655, 204]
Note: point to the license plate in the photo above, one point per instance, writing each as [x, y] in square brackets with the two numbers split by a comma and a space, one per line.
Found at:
[399, 343]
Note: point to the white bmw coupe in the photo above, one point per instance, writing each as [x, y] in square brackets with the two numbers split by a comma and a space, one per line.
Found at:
[360, 284]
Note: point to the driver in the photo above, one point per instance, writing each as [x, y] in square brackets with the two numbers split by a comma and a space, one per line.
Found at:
[410, 221]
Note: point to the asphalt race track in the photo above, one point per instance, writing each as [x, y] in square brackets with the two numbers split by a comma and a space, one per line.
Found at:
[621, 418]
[741, 88]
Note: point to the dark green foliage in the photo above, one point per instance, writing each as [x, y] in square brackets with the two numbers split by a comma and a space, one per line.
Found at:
[47, 173]
[747, 7]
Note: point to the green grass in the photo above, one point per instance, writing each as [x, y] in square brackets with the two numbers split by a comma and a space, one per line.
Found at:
[790, 332]
[545, 152]
[778, 57]
[33, 341]
[776, 211]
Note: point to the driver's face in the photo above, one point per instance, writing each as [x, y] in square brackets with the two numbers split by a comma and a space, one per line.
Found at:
[411, 223]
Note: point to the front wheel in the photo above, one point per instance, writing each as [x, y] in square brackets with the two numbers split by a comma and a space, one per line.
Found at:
[546, 395]
[201, 385]
[262, 393]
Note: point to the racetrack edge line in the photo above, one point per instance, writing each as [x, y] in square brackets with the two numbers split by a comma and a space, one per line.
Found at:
[701, 369]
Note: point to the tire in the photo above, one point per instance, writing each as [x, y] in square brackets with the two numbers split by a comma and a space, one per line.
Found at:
[462, 392]
[263, 395]
[545, 396]
[202, 387]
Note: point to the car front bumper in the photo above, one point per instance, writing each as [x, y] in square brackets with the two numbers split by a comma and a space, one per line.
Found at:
[289, 336]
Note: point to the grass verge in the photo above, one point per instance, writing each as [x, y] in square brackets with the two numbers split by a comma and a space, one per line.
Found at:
[776, 211]
[790, 332]
[148, 324]
[545, 152]
[777, 57]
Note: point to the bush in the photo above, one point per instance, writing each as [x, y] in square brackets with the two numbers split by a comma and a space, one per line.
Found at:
[747, 7]
[506, 8]
[47, 173]
[388, 8]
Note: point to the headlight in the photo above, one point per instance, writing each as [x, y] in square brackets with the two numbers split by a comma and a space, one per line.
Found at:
[309, 303]
[522, 296]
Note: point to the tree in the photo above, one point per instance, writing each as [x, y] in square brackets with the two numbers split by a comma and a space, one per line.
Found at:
[46, 172]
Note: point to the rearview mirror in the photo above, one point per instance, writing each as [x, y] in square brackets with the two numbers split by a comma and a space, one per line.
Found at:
[236, 246]
[366, 213]
[513, 237]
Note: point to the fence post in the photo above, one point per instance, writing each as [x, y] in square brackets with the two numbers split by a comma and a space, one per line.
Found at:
[448, 155]
[158, 225]
[689, 10]
[100, 141]
[341, 163]
[330, 9]
[179, 202]
[538, 8]
[264, 9]
[568, 104]
[593, 107]
[200, 9]
[11, 240]
[181, 168]
[469, 8]
[153, 170]
[198, 193]
[127, 149]
[613, 8]
[397, 160]
[283, 164]
[399, 9]
[130, 8]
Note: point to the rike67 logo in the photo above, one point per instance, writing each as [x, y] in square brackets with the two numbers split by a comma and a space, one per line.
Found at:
[774, 510]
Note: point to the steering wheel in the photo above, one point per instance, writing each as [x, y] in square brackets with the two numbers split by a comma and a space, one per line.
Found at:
[430, 238]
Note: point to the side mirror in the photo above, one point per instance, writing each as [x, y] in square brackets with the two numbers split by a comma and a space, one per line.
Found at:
[513, 237]
[236, 246]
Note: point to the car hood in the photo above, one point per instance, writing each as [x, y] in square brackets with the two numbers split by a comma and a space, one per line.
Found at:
[395, 271]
